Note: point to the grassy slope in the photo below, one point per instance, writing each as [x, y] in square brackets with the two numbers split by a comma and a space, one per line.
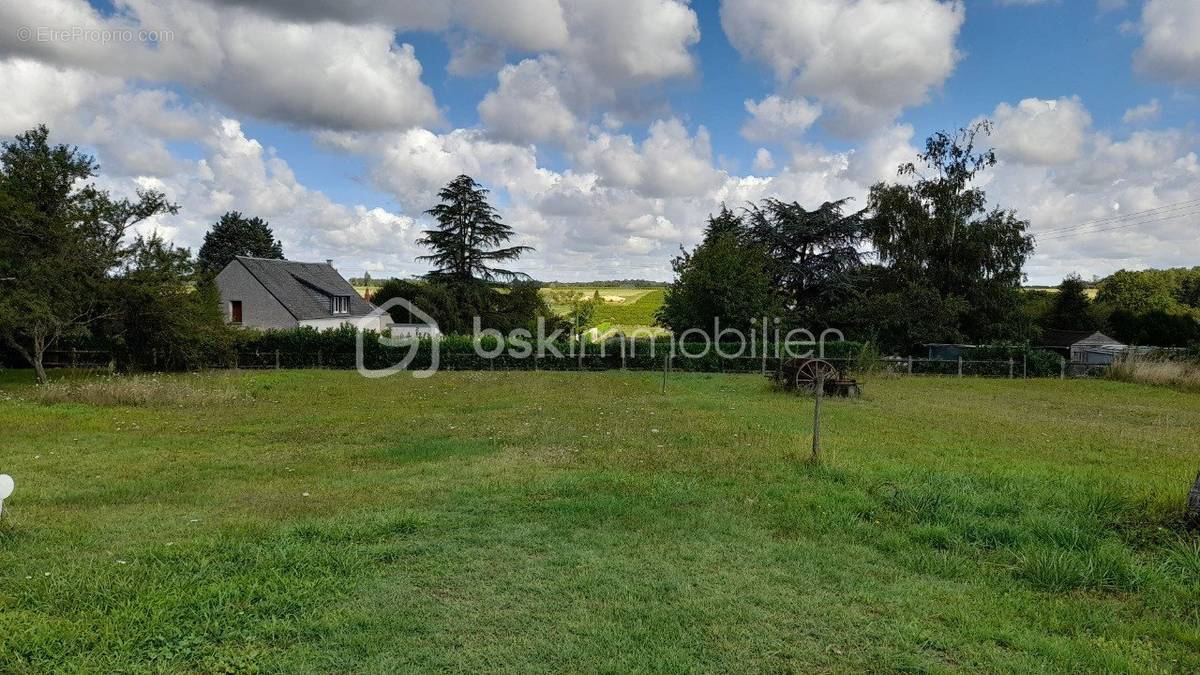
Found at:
[565, 521]
[638, 307]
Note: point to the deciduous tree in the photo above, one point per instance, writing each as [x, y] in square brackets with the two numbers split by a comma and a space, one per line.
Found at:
[60, 237]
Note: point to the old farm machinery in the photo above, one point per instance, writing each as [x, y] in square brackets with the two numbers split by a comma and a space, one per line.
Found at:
[801, 375]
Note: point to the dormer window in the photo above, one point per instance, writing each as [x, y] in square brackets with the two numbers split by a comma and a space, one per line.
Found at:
[340, 304]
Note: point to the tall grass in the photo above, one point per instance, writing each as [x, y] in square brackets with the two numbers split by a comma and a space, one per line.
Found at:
[1133, 367]
[139, 390]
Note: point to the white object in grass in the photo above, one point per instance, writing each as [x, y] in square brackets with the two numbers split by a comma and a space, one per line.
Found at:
[6, 489]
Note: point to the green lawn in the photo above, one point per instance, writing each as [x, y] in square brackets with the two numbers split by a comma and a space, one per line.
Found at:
[586, 522]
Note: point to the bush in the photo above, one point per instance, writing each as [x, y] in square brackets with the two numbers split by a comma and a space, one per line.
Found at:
[307, 348]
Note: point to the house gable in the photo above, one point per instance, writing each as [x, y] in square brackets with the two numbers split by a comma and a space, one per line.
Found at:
[309, 293]
[259, 307]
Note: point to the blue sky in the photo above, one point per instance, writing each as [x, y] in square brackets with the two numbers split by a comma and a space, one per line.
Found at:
[609, 130]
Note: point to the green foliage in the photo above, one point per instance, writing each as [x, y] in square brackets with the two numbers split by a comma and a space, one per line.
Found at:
[1071, 310]
[159, 315]
[455, 304]
[813, 254]
[726, 277]
[1157, 328]
[468, 238]
[234, 235]
[1152, 307]
[60, 238]
[940, 246]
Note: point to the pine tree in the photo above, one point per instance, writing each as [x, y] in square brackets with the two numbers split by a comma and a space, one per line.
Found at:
[468, 238]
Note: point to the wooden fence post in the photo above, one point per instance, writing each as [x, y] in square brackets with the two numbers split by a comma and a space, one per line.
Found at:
[1025, 366]
[319, 359]
[910, 364]
[582, 346]
[816, 446]
[1062, 368]
[622, 352]
[276, 359]
[1010, 368]
[666, 367]
[960, 366]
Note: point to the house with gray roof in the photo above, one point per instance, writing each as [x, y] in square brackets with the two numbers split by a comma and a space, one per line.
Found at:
[264, 293]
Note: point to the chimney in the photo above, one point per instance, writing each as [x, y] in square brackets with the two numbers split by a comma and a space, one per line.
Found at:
[329, 261]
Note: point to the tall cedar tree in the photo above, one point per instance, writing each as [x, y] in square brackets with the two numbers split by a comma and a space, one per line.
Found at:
[235, 235]
[60, 237]
[814, 254]
[469, 237]
[939, 241]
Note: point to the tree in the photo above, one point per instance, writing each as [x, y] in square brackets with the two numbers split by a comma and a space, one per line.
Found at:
[936, 233]
[161, 315]
[725, 277]
[468, 238]
[1137, 292]
[1072, 309]
[814, 254]
[455, 306]
[60, 237]
[581, 310]
[235, 235]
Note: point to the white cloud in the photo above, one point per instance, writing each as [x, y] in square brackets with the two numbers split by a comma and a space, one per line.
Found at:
[864, 60]
[1170, 49]
[779, 119]
[1038, 131]
[47, 94]
[1147, 112]
[763, 161]
[315, 75]
[669, 163]
[527, 106]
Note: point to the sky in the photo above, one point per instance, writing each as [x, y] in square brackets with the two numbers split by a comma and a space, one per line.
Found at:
[608, 130]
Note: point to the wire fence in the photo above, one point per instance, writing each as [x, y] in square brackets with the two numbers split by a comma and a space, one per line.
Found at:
[91, 359]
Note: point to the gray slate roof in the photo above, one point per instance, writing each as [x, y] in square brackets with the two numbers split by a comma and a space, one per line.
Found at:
[1070, 338]
[304, 288]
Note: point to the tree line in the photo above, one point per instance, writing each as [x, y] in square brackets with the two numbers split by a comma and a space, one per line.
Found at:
[926, 260]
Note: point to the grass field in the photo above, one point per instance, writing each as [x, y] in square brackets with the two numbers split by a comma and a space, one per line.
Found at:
[624, 308]
[316, 521]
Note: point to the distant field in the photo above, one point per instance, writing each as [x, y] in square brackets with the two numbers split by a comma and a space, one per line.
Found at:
[510, 522]
[1091, 293]
[625, 307]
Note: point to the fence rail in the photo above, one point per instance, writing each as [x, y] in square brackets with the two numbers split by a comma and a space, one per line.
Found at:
[612, 359]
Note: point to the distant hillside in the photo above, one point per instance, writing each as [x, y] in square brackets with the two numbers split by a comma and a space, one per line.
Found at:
[618, 283]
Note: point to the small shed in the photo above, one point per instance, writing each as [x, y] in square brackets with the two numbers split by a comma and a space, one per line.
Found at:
[1092, 348]
[944, 351]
